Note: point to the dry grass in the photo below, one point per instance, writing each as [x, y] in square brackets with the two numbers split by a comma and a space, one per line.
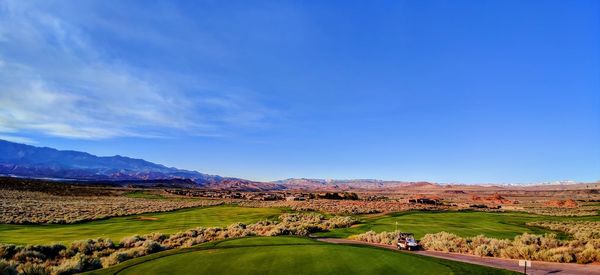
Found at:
[527, 246]
[21, 207]
[581, 230]
[388, 238]
[342, 207]
[581, 211]
[585, 248]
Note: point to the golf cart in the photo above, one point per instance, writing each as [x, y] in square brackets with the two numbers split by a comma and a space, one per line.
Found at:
[406, 241]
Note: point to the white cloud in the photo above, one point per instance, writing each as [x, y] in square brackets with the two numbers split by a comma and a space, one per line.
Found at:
[54, 81]
[17, 139]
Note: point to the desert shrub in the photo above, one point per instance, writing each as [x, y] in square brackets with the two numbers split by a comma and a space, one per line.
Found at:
[338, 222]
[589, 254]
[8, 250]
[70, 266]
[483, 246]
[114, 259]
[493, 247]
[236, 230]
[7, 268]
[583, 230]
[526, 246]
[20, 207]
[48, 251]
[444, 241]
[89, 247]
[563, 254]
[341, 207]
[300, 217]
[91, 254]
[32, 269]
[373, 237]
[26, 255]
[150, 247]
[131, 241]
[157, 237]
[577, 211]
[84, 246]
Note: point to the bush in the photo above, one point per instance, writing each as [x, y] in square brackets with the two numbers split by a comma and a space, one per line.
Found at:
[381, 238]
[7, 268]
[26, 255]
[114, 259]
[444, 241]
[8, 250]
[41, 207]
[32, 269]
[526, 246]
[131, 241]
[583, 230]
[70, 266]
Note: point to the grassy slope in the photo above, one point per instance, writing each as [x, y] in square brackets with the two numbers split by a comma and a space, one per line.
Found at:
[497, 225]
[289, 255]
[117, 228]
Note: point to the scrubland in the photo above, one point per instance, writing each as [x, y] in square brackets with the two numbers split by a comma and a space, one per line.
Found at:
[584, 247]
[490, 227]
[342, 207]
[27, 207]
[97, 253]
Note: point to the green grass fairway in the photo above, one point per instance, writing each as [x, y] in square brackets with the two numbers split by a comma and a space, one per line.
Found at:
[466, 224]
[289, 255]
[117, 228]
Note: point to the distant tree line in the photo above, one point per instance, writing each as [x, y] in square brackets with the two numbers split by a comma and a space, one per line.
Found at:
[339, 196]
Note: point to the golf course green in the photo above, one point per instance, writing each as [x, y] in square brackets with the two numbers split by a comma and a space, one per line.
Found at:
[465, 224]
[119, 227]
[290, 255]
[496, 225]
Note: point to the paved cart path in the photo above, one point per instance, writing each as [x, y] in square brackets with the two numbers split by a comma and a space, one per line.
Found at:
[537, 268]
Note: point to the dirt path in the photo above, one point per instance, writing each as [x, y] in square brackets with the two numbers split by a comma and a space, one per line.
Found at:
[537, 268]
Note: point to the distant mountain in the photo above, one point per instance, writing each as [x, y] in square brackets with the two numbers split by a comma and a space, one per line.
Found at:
[348, 185]
[41, 162]
[20, 160]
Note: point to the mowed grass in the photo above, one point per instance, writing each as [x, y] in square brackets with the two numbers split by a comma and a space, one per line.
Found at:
[290, 255]
[119, 227]
[465, 224]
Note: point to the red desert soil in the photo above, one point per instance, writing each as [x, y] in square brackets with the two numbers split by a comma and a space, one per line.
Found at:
[537, 267]
[560, 203]
[495, 198]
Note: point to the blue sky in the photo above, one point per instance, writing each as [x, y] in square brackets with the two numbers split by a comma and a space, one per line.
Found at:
[446, 91]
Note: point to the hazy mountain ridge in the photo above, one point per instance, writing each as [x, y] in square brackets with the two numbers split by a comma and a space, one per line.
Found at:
[350, 184]
[28, 161]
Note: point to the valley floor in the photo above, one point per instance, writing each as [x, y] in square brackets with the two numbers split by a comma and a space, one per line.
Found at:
[291, 255]
[498, 225]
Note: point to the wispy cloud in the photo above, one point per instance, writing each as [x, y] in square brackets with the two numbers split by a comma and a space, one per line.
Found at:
[54, 80]
[18, 139]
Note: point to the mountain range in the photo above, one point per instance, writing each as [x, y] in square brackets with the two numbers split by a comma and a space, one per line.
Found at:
[351, 184]
[21, 160]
